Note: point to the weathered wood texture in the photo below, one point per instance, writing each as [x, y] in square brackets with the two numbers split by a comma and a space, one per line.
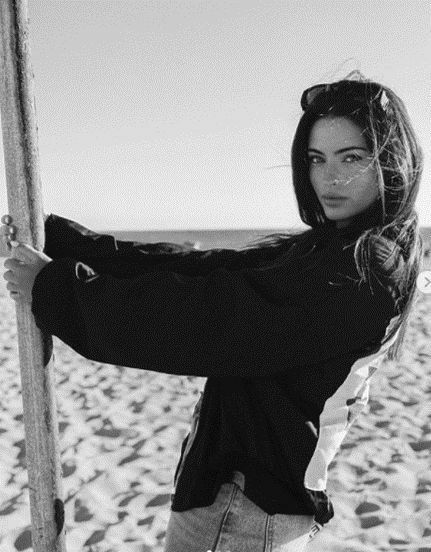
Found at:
[20, 144]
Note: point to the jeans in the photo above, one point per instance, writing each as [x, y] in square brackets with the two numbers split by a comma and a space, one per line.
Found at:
[233, 523]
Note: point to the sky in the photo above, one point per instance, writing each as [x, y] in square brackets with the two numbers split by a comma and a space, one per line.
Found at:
[170, 115]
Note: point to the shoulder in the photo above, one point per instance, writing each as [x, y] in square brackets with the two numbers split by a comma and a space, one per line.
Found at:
[364, 284]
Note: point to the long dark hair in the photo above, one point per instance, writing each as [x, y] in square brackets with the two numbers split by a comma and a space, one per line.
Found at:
[389, 248]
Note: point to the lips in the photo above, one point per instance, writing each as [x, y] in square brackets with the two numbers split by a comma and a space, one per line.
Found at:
[334, 197]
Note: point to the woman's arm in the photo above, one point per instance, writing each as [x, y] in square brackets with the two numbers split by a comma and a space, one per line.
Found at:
[244, 323]
[65, 238]
[126, 259]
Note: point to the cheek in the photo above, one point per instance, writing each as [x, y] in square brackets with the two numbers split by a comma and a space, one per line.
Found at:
[315, 177]
[367, 188]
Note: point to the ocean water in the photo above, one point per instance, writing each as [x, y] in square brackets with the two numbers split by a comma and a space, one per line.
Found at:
[204, 239]
[207, 239]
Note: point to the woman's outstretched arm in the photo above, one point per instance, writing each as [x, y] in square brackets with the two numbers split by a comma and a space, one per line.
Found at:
[125, 259]
[247, 323]
[68, 238]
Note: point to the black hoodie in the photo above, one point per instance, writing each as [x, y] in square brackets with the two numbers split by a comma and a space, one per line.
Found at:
[276, 331]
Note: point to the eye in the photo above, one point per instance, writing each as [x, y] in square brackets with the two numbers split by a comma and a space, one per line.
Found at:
[353, 157]
[313, 159]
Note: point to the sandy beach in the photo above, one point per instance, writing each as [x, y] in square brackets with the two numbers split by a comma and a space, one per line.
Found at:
[121, 431]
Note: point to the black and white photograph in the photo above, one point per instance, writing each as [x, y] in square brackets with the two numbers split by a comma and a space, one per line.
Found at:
[215, 303]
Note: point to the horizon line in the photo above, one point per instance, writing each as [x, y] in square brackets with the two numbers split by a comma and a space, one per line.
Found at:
[257, 229]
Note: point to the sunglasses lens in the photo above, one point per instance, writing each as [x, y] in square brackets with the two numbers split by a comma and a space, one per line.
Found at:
[359, 92]
[313, 93]
[310, 94]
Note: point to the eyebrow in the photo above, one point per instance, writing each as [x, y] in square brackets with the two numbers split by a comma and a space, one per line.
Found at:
[340, 150]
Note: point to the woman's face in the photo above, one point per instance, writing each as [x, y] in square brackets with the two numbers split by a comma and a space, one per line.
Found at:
[341, 165]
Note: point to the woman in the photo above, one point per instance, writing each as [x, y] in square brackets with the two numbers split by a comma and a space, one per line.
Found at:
[287, 331]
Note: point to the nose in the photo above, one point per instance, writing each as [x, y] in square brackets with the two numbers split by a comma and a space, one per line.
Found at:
[332, 176]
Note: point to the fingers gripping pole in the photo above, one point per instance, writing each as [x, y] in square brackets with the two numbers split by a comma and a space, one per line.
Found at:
[20, 144]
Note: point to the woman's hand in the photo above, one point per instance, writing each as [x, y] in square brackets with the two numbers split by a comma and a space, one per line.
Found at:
[23, 270]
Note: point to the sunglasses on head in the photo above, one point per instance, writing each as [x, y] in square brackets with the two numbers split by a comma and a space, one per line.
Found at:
[364, 91]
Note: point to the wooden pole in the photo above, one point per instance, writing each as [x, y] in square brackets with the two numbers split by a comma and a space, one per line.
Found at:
[20, 144]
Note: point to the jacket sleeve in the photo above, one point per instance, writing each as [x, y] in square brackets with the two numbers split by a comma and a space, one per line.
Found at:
[66, 238]
[227, 323]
